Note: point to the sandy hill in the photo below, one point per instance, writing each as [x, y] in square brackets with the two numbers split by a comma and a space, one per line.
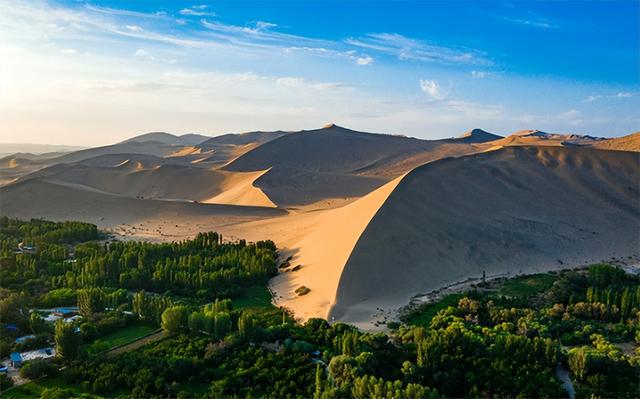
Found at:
[334, 162]
[44, 199]
[630, 142]
[519, 209]
[330, 149]
[143, 148]
[11, 162]
[189, 139]
[537, 137]
[12, 167]
[149, 177]
[34, 149]
[258, 137]
[478, 136]
[220, 150]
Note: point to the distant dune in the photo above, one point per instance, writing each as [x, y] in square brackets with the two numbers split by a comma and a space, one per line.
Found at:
[35, 149]
[478, 136]
[42, 199]
[625, 143]
[168, 138]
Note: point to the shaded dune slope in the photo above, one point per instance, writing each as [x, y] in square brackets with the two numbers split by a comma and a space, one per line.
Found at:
[519, 209]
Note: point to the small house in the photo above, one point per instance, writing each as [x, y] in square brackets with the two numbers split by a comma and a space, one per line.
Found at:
[18, 359]
[22, 340]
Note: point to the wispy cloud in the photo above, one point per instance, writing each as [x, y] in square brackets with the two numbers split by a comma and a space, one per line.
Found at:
[303, 84]
[432, 88]
[596, 97]
[405, 48]
[624, 94]
[532, 22]
[480, 74]
[197, 11]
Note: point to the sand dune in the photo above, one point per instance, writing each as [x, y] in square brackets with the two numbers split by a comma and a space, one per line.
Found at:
[515, 210]
[372, 219]
[320, 242]
[536, 137]
[186, 140]
[238, 189]
[334, 162]
[630, 142]
[478, 136]
[42, 199]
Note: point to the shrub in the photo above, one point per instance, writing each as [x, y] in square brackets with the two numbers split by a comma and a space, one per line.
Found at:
[38, 368]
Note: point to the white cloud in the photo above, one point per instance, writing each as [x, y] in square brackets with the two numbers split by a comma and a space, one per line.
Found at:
[432, 88]
[622, 94]
[262, 25]
[480, 74]
[571, 114]
[197, 11]
[364, 60]
[300, 83]
[134, 28]
[69, 51]
[144, 55]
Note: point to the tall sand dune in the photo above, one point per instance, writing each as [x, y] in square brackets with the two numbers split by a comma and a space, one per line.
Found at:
[516, 210]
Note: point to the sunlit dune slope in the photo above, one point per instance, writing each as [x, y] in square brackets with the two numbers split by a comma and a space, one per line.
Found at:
[320, 243]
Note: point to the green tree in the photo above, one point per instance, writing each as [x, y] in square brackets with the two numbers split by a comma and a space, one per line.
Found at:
[578, 362]
[246, 325]
[174, 319]
[68, 341]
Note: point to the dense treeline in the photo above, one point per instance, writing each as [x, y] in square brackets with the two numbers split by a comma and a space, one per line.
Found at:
[204, 264]
[114, 284]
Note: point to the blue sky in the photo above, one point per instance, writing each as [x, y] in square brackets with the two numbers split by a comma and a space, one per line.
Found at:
[99, 71]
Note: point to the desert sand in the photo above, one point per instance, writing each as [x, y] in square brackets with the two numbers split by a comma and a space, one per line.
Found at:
[369, 220]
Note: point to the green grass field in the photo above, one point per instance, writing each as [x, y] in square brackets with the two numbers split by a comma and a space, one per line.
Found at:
[127, 334]
[257, 296]
[525, 286]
